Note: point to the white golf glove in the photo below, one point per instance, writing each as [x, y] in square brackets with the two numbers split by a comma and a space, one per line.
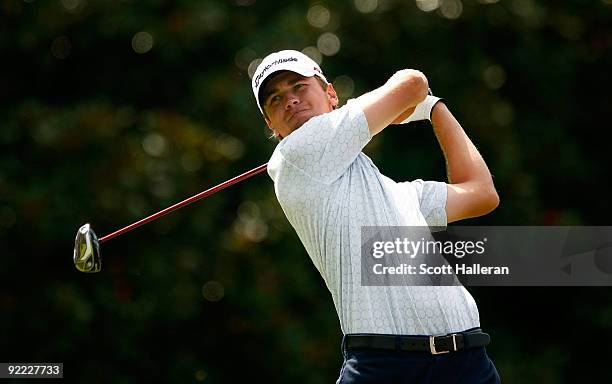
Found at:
[423, 109]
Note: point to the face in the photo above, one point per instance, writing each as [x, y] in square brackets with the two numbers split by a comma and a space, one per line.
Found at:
[290, 100]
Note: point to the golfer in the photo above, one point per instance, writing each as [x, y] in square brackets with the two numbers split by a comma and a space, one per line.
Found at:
[329, 189]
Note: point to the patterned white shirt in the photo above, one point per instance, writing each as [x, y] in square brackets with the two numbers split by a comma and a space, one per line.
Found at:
[328, 189]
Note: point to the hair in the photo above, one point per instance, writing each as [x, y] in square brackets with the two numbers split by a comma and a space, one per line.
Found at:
[322, 83]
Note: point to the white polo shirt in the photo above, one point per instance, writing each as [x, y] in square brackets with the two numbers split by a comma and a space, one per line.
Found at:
[329, 189]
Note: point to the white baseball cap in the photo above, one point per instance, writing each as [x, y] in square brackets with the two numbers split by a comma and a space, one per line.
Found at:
[287, 60]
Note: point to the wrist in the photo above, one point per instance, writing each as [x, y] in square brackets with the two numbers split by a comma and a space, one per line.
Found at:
[423, 110]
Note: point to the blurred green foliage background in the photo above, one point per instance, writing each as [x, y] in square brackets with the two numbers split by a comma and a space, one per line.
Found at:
[112, 110]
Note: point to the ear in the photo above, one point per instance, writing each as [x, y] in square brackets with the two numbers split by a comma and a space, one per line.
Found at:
[332, 96]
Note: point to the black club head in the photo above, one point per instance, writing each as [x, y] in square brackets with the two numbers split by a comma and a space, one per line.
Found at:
[87, 250]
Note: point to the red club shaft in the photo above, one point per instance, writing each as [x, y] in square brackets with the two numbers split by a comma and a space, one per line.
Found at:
[185, 202]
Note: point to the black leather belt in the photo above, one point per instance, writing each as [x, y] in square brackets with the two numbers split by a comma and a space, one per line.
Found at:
[435, 345]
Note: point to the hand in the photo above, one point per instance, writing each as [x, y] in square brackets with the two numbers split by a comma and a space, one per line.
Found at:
[401, 76]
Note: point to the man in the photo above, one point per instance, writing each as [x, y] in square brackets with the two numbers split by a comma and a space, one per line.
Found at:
[329, 189]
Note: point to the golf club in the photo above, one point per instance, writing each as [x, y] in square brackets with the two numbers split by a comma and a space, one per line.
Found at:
[86, 255]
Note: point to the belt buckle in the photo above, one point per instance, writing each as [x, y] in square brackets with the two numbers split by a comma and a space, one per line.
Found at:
[432, 344]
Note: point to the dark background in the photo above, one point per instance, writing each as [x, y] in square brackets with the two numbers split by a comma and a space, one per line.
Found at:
[112, 110]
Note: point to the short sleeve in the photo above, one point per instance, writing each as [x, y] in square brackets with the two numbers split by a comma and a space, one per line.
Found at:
[326, 145]
[432, 201]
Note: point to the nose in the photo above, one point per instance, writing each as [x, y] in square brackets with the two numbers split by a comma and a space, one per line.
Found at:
[292, 100]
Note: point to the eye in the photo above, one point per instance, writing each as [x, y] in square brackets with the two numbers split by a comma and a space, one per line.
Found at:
[274, 100]
[299, 86]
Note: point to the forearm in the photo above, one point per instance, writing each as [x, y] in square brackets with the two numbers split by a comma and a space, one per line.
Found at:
[382, 106]
[406, 114]
[463, 161]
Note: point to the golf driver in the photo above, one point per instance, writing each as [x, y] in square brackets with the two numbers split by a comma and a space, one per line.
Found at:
[86, 255]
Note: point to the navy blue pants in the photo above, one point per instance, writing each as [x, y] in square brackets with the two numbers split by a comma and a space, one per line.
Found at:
[468, 366]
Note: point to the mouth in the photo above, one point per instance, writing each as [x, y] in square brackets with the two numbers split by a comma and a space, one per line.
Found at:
[297, 114]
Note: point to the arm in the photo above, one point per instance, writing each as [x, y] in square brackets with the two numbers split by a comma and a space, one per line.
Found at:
[402, 92]
[421, 112]
[470, 192]
[403, 116]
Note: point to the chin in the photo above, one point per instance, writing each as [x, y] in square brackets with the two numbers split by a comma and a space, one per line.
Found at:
[301, 121]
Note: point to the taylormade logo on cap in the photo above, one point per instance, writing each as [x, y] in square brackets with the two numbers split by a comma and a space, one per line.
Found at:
[287, 60]
[279, 61]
